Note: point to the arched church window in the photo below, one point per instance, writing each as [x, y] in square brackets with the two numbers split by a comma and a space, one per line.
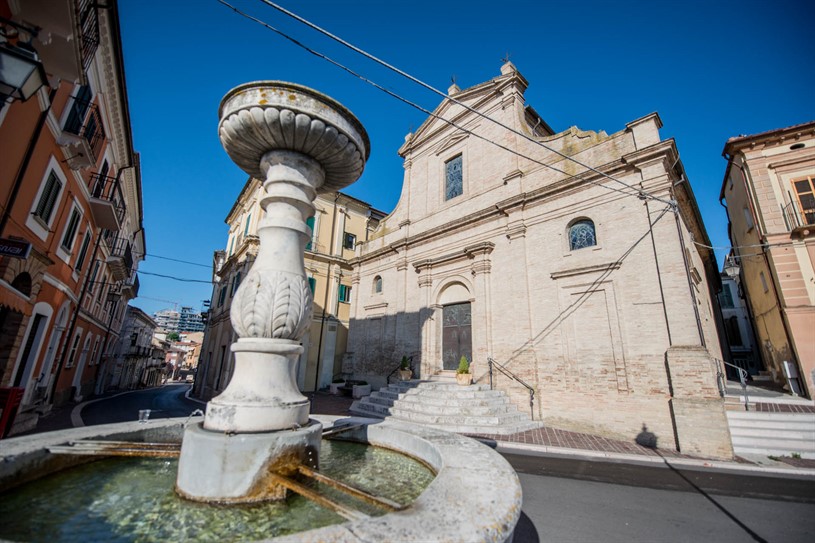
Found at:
[378, 284]
[582, 234]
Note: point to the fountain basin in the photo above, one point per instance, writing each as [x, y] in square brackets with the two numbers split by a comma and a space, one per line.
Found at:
[476, 495]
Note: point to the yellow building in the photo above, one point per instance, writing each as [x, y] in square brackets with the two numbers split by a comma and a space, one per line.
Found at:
[769, 187]
[340, 222]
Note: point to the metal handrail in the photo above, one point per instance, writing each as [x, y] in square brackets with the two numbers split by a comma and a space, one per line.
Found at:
[742, 379]
[503, 369]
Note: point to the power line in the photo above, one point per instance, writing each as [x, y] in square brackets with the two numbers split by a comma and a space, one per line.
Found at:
[454, 100]
[208, 266]
[638, 193]
[174, 278]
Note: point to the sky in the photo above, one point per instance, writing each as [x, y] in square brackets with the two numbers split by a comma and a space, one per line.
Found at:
[712, 70]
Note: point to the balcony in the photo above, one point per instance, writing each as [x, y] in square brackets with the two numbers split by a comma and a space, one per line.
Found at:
[120, 261]
[798, 221]
[70, 32]
[130, 289]
[107, 203]
[83, 134]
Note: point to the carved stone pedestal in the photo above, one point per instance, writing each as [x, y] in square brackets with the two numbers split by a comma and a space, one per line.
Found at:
[299, 142]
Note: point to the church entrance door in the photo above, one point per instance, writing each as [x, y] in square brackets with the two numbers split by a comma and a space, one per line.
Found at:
[456, 335]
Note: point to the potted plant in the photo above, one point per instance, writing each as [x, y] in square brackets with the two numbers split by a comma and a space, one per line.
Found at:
[360, 389]
[463, 375]
[405, 373]
[334, 387]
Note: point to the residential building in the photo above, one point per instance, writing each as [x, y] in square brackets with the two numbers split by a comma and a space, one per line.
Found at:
[138, 362]
[186, 320]
[740, 347]
[769, 188]
[70, 190]
[568, 257]
[340, 222]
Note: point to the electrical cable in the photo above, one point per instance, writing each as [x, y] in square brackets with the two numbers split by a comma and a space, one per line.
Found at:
[452, 99]
[174, 278]
[638, 193]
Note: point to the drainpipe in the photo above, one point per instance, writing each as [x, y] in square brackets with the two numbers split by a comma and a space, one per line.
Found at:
[325, 298]
[687, 270]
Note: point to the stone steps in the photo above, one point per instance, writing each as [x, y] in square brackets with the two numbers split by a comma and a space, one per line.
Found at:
[772, 434]
[473, 409]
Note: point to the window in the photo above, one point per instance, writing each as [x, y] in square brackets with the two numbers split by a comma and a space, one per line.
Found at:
[95, 350]
[80, 261]
[229, 250]
[748, 218]
[345, 294]
[222, 296]
[581, 235]
[70, 231]
[726, 296]
[235, 282]
[805, 191]
[764, 284]
[377, 284]
[45, 207]
[310, 223]
[92, 283]
[246, 227]
[453, 178]
[312, 283]
[349, 241]
[74, 347]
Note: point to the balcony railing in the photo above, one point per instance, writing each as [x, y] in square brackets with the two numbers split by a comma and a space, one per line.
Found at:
[89, 29]
[795, 217]
[107, 203]
[120, 261]
[84, 134]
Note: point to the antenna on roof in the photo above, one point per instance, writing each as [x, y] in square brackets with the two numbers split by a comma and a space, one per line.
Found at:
[506, 57]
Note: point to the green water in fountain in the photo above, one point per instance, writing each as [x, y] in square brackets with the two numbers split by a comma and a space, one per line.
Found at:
[132, 499]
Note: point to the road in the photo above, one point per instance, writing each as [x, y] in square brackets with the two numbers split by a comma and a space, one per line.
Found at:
[571, 499]
[164, 402]
[576, 500]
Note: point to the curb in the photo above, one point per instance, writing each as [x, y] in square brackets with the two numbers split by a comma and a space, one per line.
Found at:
[545, 450]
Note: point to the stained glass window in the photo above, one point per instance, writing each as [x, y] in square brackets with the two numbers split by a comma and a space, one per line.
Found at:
[453, 178]
[581, 234]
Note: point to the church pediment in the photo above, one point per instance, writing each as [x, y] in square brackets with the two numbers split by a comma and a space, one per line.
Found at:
[451, 141]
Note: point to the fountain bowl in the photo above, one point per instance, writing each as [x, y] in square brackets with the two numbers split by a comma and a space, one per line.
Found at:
[475, 496]
[261, 116]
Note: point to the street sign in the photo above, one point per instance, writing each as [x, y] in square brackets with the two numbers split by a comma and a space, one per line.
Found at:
[14, 248]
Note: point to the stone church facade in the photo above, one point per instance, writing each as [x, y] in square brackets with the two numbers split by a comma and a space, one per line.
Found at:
[589, 290]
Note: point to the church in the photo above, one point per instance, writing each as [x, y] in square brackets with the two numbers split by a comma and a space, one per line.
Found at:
[567, 258]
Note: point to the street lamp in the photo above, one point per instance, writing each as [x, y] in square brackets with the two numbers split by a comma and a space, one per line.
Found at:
[21, 72]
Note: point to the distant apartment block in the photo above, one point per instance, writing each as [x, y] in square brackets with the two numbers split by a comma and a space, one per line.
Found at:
[186, 320]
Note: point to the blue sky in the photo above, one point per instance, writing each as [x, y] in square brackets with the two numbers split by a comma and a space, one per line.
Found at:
[712, 70]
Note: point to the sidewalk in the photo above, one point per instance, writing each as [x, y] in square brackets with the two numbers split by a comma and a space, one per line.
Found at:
[563, 442]
[539, 440]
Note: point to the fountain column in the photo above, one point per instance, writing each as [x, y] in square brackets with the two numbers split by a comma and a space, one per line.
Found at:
[300, 143]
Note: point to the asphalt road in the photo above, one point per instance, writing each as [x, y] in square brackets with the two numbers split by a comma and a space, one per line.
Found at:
[575, 500]
[163, 402]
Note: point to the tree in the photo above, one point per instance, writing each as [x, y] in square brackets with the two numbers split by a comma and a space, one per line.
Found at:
[173, 336]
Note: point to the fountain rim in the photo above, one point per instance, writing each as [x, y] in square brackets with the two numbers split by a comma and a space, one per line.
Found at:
[487, 508]
[289, 86]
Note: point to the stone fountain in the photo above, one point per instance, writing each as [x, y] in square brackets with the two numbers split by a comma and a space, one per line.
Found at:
[259, 430]
[299, 142]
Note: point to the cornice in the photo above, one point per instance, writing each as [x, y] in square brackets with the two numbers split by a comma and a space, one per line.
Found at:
[586, 269]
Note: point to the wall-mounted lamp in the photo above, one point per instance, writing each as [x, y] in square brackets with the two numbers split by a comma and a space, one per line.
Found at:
[21, 72]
